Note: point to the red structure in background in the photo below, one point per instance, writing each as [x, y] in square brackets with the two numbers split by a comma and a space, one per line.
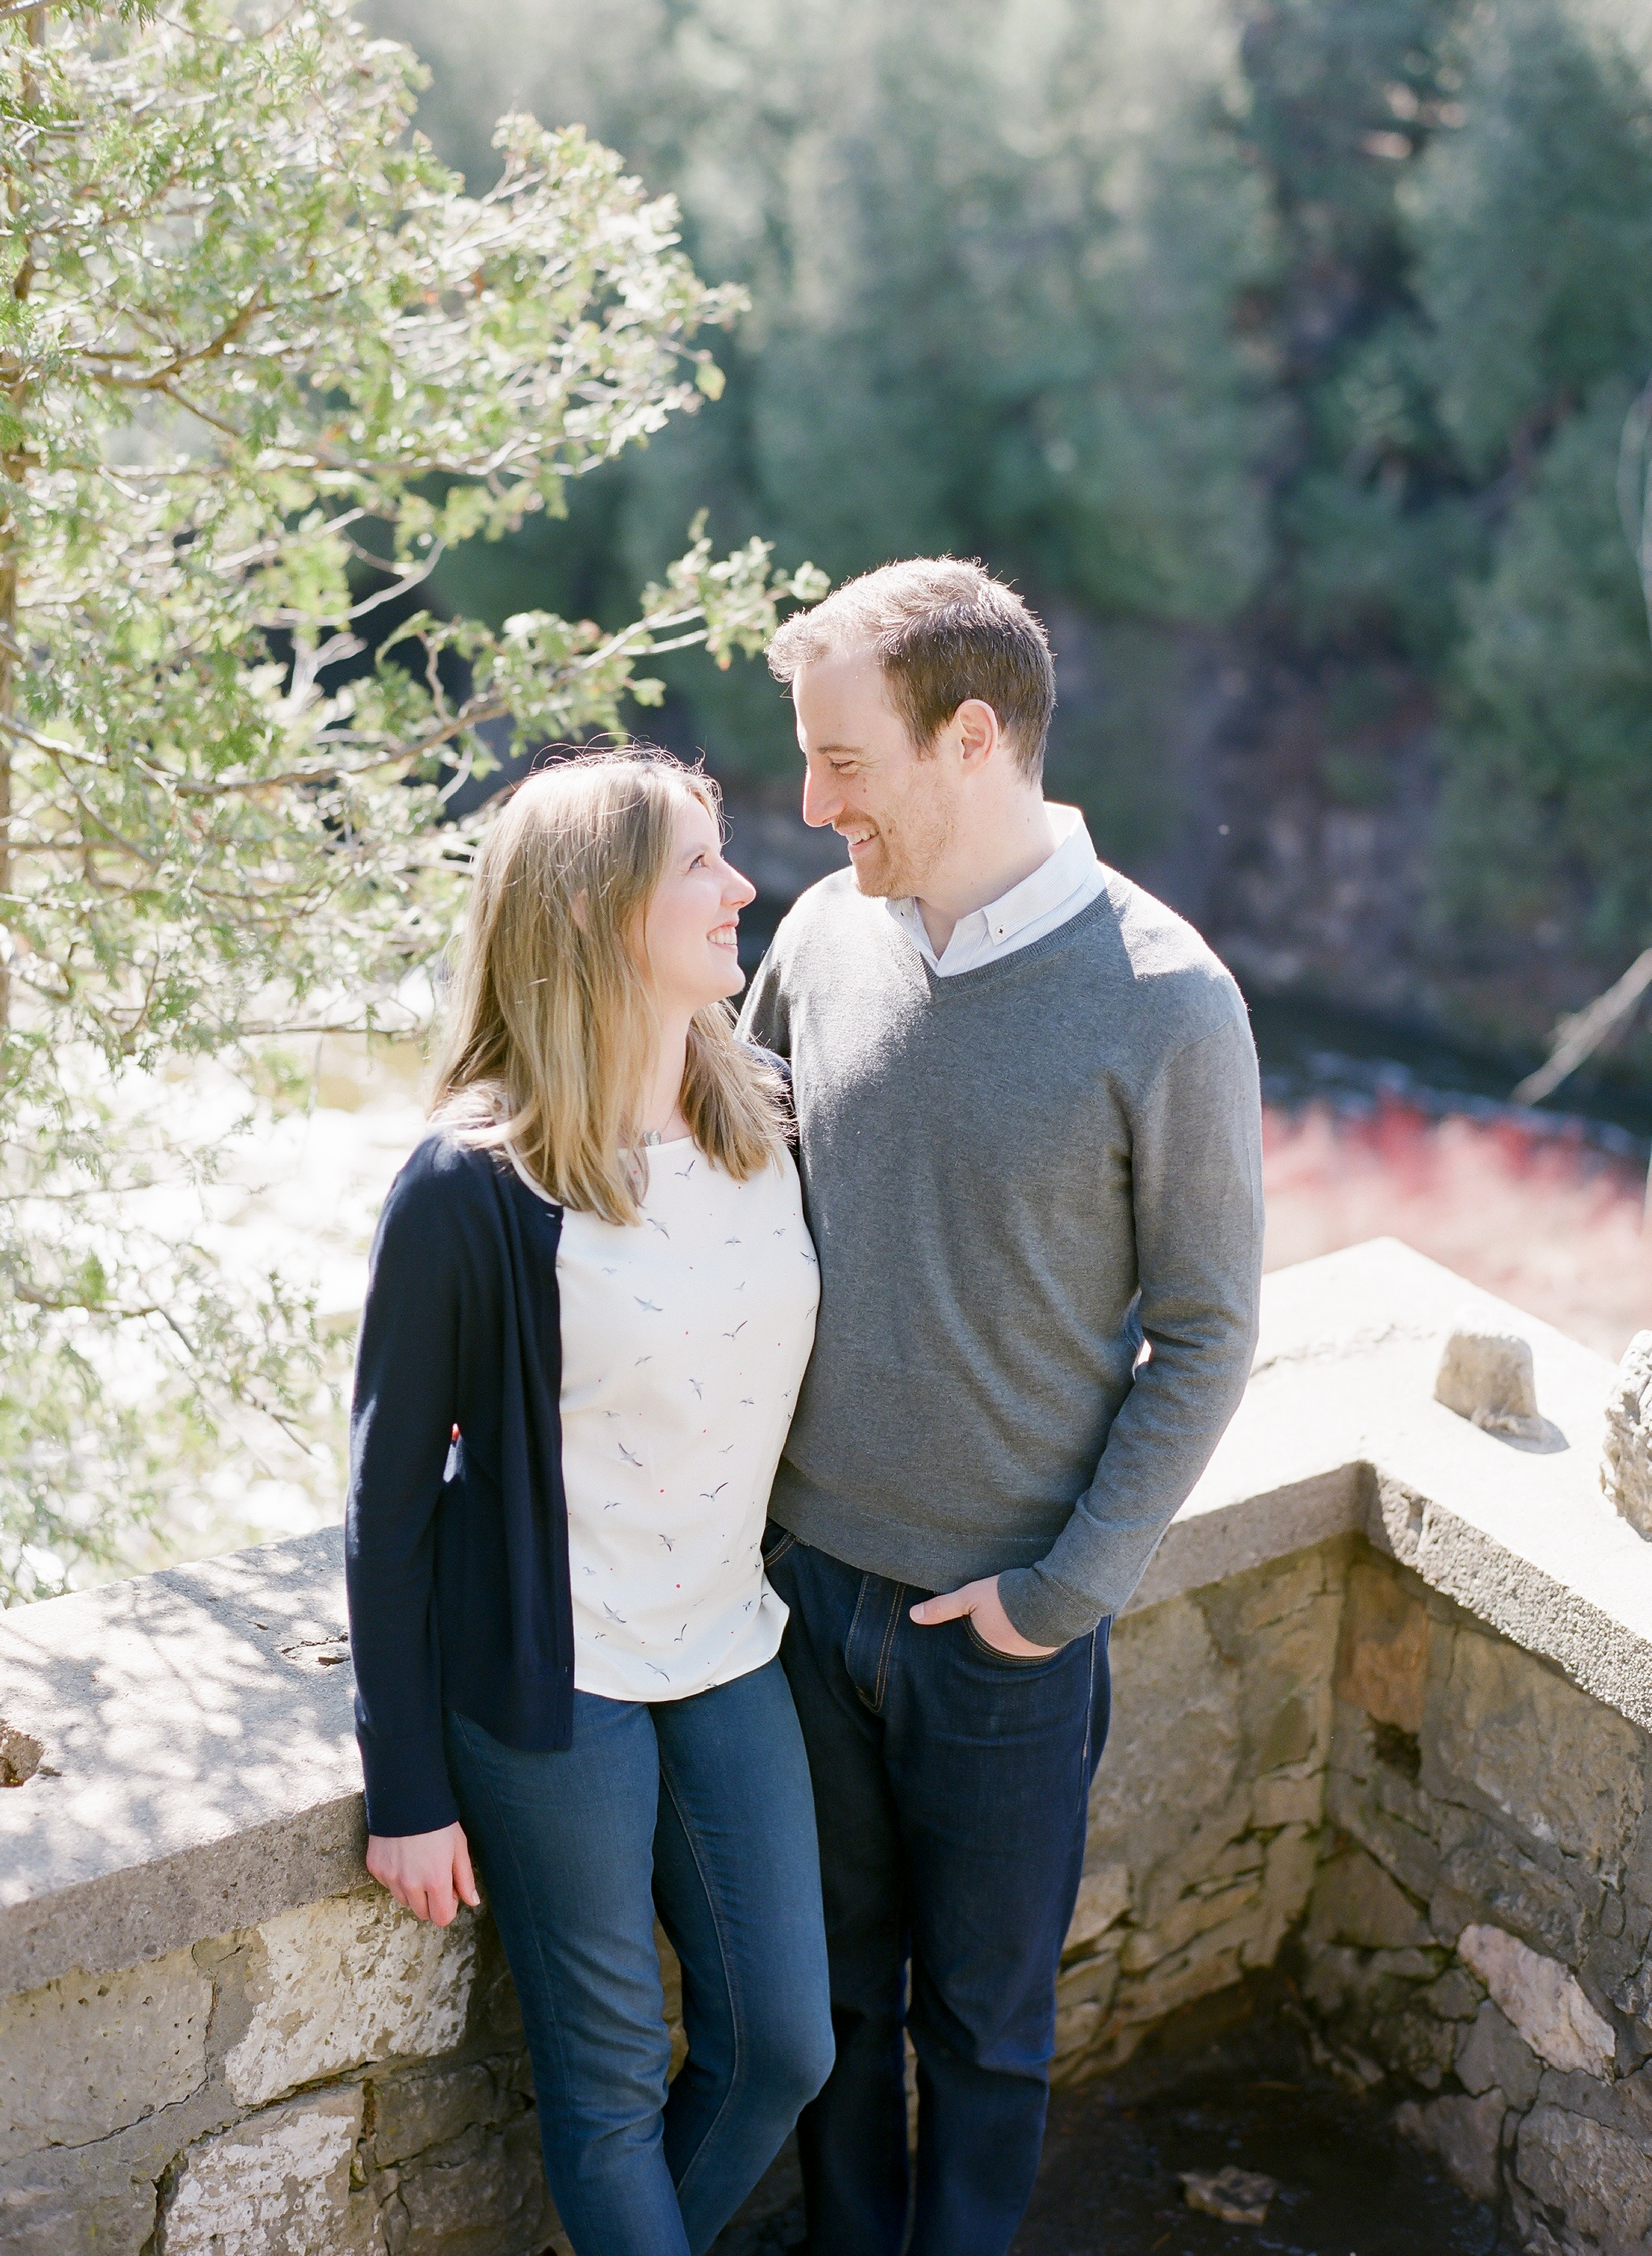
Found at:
[1534, 1213]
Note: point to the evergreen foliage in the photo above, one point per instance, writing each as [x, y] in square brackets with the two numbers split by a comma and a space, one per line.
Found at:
[262, 364]
[1298, 320]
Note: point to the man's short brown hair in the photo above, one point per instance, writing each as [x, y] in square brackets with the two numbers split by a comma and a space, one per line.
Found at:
[943, 631]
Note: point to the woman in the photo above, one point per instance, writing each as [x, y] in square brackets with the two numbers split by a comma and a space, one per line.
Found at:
[591, 1302]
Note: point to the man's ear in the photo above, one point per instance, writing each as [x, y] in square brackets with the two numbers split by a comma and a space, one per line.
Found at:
[979, 735]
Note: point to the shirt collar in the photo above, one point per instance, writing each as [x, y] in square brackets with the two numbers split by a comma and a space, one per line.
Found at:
[1050, 884]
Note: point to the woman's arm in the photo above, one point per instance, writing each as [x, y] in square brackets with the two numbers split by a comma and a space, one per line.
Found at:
[406, 1404]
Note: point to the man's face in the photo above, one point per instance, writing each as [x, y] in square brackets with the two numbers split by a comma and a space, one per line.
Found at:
[894, 809]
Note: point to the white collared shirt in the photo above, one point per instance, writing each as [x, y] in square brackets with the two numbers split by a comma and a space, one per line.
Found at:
[1057, 889]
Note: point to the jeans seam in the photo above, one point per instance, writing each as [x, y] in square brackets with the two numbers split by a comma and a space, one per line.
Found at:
[872, 1705]
[888, 1644]
[736, 2017]
[480, 1778]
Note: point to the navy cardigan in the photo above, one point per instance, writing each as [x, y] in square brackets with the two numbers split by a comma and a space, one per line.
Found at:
[456, 1551]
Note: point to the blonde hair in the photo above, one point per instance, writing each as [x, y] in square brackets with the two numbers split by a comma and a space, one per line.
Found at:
[551, 1022]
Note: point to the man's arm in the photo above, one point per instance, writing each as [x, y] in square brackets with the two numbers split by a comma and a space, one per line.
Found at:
[765, 1017]
[1196, 1170]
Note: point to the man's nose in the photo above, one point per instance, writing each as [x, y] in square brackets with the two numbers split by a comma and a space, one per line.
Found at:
[820, 802]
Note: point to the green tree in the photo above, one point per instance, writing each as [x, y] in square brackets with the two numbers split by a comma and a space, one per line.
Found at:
[1533, 226]
[994, 253]
[262, 364]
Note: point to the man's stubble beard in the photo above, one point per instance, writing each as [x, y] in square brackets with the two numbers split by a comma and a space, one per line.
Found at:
[902, 860]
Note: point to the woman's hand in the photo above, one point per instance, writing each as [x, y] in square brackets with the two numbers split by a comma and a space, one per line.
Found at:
[428, 1873]
[982, 1603]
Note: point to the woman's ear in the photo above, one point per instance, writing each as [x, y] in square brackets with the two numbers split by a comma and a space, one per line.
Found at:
[582, 909]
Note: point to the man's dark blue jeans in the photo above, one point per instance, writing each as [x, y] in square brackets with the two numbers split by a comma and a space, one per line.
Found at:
[950, 1788]
[699, 1808]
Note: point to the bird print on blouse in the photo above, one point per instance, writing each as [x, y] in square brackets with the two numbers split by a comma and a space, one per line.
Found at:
[684, 1338]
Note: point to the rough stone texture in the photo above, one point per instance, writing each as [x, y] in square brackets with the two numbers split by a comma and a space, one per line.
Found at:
[1486, 1376]
[1541, 1999]
[1465, 2134]
[1355, 1901]
[1563, 1769]
[1492, 2052]
[1594, 2181]
[281, 2180]
[349, 1980]
[1204, 1815]
[88, 2054]
[1626, 1456]
[1382, 1666]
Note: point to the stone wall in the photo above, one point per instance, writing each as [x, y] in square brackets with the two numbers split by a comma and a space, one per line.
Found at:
[338, 2078]
[1381, 1719]
[1479, 1924]
[1207, 1809]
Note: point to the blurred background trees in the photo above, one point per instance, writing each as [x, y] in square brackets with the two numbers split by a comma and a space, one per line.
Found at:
[1280, 349]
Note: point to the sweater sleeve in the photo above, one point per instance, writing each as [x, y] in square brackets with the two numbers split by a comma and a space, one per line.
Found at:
[1196, 1191]
[764, 1017]
[401, 1429]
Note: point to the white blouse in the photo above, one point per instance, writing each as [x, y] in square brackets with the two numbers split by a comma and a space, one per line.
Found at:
[684, 1337]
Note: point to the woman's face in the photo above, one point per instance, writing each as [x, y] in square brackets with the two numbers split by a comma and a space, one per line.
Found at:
[691, 928]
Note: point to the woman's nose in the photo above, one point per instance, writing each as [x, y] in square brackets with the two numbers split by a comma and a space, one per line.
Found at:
[738, 889]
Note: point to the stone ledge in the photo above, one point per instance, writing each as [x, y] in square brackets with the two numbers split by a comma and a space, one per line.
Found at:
[198, 1721]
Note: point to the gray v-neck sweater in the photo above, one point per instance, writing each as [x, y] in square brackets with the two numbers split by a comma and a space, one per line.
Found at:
[1014, 1177]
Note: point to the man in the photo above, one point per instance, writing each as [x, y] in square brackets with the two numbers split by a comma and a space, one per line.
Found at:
[1031, 1145]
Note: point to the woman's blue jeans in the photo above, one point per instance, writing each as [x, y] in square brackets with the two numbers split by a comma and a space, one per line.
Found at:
[701, 1808]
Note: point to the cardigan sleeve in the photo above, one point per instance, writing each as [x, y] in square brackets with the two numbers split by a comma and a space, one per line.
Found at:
[402, 1423]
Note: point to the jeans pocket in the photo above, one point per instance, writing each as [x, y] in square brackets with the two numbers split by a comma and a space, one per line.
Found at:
[776, 1542]
[1009, 1660]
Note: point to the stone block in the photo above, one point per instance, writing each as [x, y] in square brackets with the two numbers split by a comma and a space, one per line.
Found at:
[1542, 1999]
[1625, 1457]
[1560, 1767]
[1092, 1981]
[1382, 1666]
[1195, 1914]
[1484, 1875]
[1355, 1901]
[1456, 1996]
[85, 2056]
[1485, 1376]
[278, 2180]
[1393, 1821]
[484, 2194]
[1210, 1962]
[425, 2107]
[1491, 2051]
[54, 2212]
[350, 1979]
[1284, 1800]
[1172, 1756]
[1104, 1896]
[1464, 2135]
[1598, 2178]
[1076, 2026]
